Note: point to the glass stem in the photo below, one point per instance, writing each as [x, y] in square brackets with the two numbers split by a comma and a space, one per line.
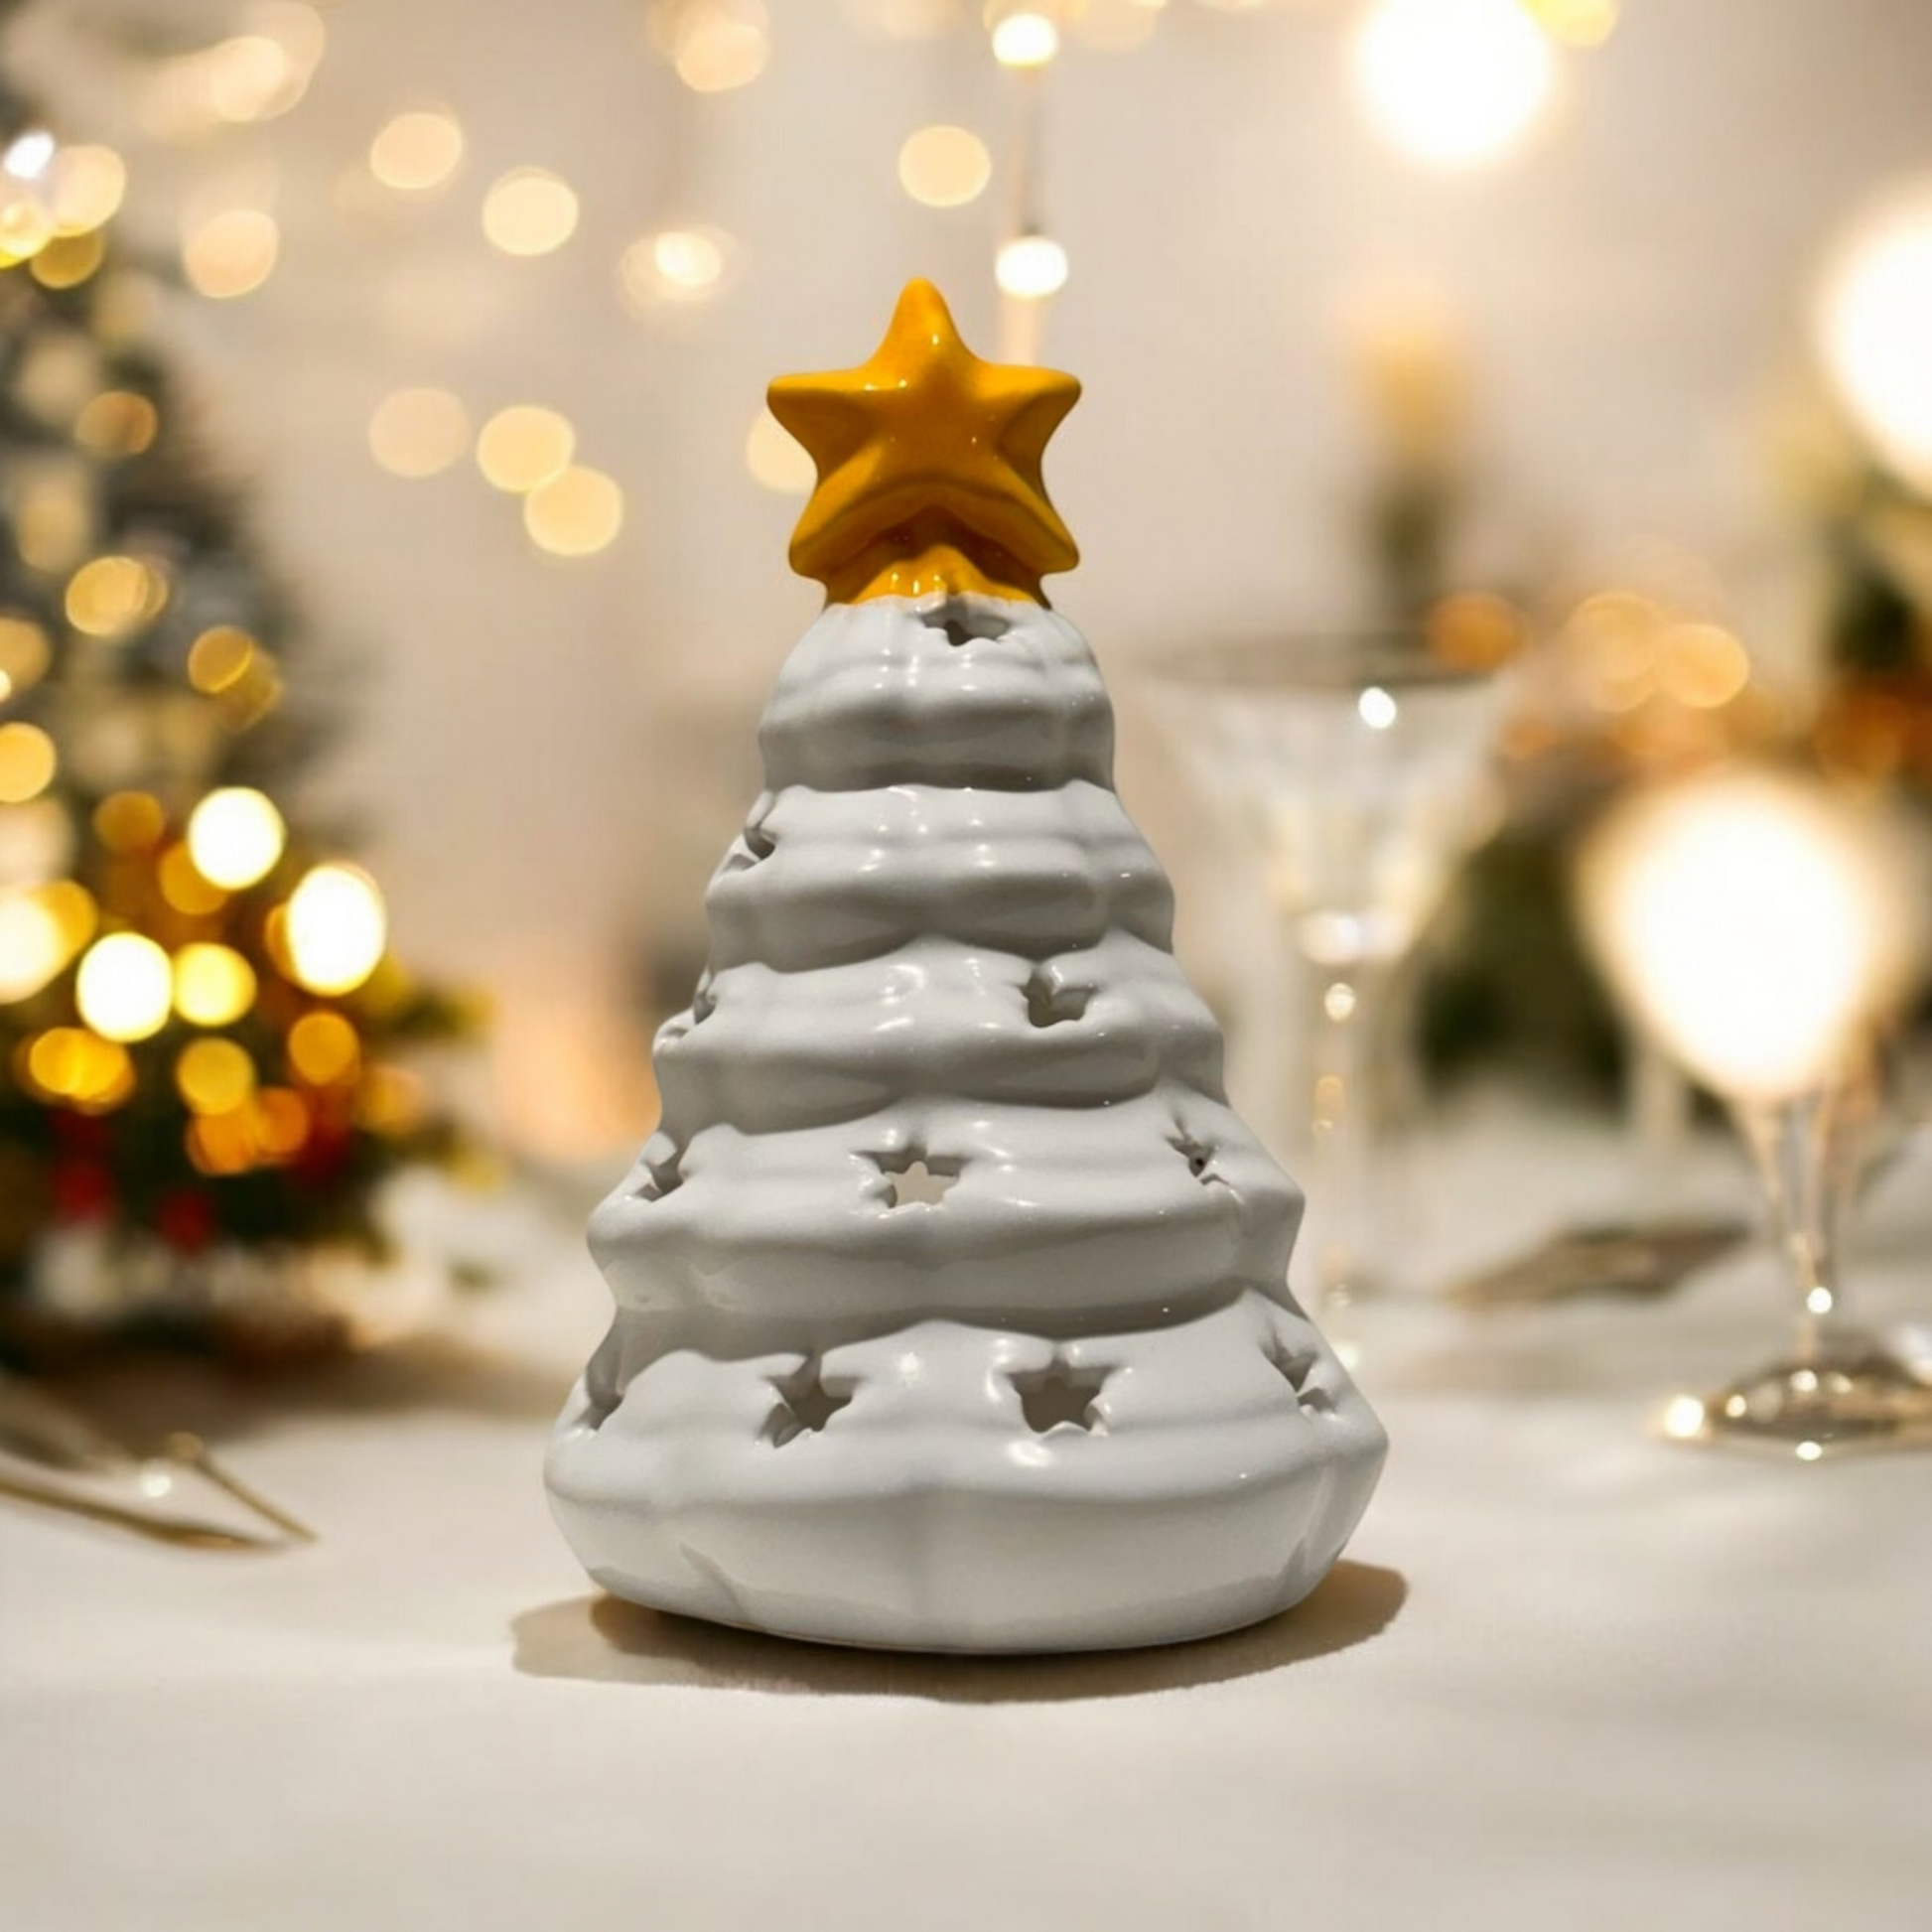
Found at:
[1791, 1143]
[1341, 1123]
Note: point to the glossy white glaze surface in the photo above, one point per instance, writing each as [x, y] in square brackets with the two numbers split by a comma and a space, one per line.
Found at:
[951, 1294]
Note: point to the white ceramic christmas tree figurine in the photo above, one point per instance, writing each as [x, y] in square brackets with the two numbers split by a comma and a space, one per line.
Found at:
[951, 1298]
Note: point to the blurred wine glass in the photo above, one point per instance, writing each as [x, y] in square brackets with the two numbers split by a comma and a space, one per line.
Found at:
[1762, 927]
[1355, 764]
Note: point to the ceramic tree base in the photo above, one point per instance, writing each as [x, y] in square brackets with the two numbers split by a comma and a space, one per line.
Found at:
[956, 1488]
[951, 1293]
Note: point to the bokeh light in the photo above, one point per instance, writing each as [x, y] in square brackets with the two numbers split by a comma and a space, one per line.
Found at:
[28, 761]
[234, 836]
[24, 652]
[944, 167]
[676, 266]
[1576, 23]
[524, 447]
[79, 1068]
[213, 985]
[417, 150]
[214, 1076]
[574, 514]
[1022, 37]
[336, 928]
[1701, 665]
[1032, 267]
[1757, 924]
[116, 423]
[130, 821]
[1874, 324]
[529, 212]
[715, 45]
[776, 458]
[419, 432]
[111, 598]
[324, 1050]
[183, 887]
[1452, 82]
[126, 987]
[85, 185]
[67, 260]
[219, 658]
[231, 254]
[32, 947]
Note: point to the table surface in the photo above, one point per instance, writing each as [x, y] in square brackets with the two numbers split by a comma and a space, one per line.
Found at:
[1568, 1675]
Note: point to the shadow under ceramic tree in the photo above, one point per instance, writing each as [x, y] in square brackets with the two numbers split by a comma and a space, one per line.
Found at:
[604, 1639]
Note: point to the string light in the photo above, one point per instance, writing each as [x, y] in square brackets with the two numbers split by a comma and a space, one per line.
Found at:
[1031, 267]
[776, 458]
[126, 987]
[213, 985]
[1452, 82]
[944, 167]
[419, 432]
[234, 837]
[676, 266]
[1022, 37]
[524, 447]
[233, 253]
[574, 514]
[336, 928]
[417, 151]
[529, 212]
[28, 762]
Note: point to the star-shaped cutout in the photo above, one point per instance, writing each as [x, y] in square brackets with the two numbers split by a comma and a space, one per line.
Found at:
[1060, 1394]
[807, 1402]
[929, 466]
[917, 1181]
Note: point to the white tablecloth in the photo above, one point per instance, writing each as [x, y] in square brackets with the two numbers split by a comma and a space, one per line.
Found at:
[1570, 1676]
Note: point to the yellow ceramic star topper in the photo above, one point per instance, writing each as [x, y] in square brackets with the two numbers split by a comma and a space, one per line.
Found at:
[929, 466]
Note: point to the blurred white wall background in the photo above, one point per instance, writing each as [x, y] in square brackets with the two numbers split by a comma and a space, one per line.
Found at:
[551, 753]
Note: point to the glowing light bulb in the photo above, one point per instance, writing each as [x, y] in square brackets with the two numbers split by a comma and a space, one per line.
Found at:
[234, 837]
[1452, 82]
[336, 928]
[1873, 321]
[126, 987]
[1759, 925]
[1032, 267]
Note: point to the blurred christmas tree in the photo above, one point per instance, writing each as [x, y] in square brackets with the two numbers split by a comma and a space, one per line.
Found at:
[198, 1010]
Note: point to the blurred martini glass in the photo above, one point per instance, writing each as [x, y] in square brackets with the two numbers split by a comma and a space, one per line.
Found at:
[1356, 764]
